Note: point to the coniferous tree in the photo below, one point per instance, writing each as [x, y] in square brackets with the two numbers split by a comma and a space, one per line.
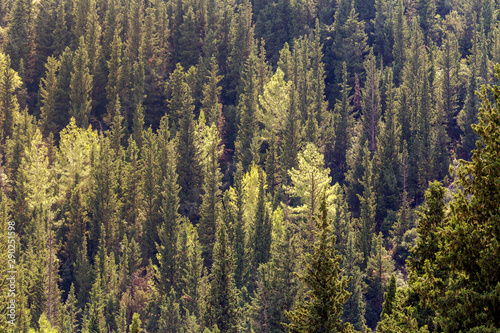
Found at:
[188, 162]
[341, 123]
[262, 224]
[193, 275]
[398, 51]
[9, 106]
[17, 39]
[211, 105]
[240, 48]
[368, 206]
[354, 307]
[247, 110]
[449, 62]
[387, 179]
[323, 310]
[468, 114]
[81, 86]
[379, 267]
[151, 190]
[309, 180]
[276, 284]
[221, 300]
[371, 103]
[48, 91]
[168, 231]
[210, 210]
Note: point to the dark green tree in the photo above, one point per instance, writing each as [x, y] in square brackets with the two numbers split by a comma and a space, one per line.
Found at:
[323, 309]
[81, 86]
[221, 300]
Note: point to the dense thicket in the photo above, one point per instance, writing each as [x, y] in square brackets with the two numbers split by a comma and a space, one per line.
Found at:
[253, 166]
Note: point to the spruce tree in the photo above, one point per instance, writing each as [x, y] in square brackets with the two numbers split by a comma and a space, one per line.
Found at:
[354, 307]
[211, 105]
[81, 86]
[371, 103]
[188, 160]
[9, 106]
[322, 311]
[210, 210]
[341, 124]
[380, 266]
[48, 91]
[221, 300]
[168, 231]
[247, 111]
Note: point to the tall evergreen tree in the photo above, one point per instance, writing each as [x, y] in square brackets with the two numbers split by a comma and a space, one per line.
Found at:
[221, 300]
[81, 86]
[323, 309]
[210, 210]
[48, 91]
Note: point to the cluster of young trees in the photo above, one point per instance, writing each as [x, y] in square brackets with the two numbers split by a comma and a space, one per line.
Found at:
[165, 161]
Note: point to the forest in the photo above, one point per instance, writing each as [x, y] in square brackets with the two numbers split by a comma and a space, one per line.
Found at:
[249, 166]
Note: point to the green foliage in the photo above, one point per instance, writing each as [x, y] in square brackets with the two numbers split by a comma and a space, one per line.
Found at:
[323, 310]
[81, 86]
[222, 298]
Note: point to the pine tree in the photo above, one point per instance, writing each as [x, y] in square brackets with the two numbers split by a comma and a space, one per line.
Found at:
[135, 326]
[371, 103]
[323, 309]
[262, 225]
[449, 62]
[211, 105]
[210, 210]
[389, 298]
[354, 307]
[81, 86]
[48, 91]
[61, 31]
[103, 201]
[17, 46]
[69, 322]
[168, 230]
[221, 300]
[309, 180]
[398, 51]
[193, 275]
[9, 106]
[468, 114]
[247, 111]
[150, 180]
[387, 179]
[380, 266]
[341, 124]
[240, 49]
[277, 286]
[188, 161]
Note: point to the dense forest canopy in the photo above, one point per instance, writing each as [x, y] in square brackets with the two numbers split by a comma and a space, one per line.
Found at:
[249, 166]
